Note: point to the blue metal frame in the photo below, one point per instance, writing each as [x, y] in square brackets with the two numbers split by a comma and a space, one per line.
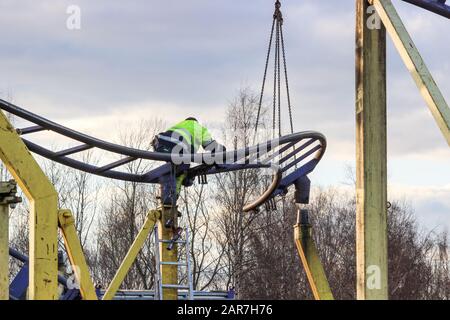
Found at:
[436, 6]
[18, 288]
[19, 285]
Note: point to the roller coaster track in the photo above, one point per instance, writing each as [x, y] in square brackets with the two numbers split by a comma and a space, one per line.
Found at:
[289, 157]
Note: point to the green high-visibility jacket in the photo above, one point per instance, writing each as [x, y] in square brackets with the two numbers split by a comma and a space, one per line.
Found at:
[193, 133]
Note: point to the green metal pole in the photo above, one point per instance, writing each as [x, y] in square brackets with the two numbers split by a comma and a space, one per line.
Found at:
[371, 157]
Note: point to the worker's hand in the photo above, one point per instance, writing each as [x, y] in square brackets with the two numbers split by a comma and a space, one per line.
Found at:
[220, 148]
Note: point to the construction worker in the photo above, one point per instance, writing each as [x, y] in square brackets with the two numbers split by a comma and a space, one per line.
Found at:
[185, 137]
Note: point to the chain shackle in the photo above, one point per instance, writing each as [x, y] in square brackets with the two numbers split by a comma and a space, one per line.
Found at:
[278, 15]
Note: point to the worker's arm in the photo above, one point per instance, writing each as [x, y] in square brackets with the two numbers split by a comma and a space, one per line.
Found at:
[209, 144]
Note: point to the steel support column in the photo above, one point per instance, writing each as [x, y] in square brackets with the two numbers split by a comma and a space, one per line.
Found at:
[43, 221]
[371, 158]
[76, 256]
[310, 258]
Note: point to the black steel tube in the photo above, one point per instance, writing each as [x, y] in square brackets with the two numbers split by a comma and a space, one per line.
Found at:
[77, 149]
[81, 165]
[30, 130]
[141, 154]
[17, 255]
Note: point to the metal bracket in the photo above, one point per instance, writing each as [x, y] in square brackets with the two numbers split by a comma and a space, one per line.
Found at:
[8, 194]
[202, 179]
[303, 217]
[271, 205]
[302, 190]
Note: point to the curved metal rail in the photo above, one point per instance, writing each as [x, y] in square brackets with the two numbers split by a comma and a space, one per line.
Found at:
[291, 149]
[266, 195]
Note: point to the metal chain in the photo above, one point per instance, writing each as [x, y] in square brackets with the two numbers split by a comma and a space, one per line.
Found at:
[277, 39]
[287, 80]
[279, 78]
[264, 78]
[291, 122]
[277, 27]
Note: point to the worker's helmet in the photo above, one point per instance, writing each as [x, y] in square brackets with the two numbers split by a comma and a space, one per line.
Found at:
[192, 119]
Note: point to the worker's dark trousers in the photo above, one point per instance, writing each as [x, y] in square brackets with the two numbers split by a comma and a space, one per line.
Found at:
[169, 194]
[171, 185]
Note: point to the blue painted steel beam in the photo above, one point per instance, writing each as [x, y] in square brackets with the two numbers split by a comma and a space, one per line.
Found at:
[18, 287]
[436, 6]
[23, 258]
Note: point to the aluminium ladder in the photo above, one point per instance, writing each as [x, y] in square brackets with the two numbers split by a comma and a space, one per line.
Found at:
[187, 263]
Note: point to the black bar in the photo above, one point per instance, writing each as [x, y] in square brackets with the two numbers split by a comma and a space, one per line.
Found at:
[73, 150]
[142, 154]
[84, 166]
[299, 159]
[29, 130]
[297, 150]
[116, 164]
[283, 149]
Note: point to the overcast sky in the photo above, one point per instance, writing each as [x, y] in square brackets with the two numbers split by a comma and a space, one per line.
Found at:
[170, 59]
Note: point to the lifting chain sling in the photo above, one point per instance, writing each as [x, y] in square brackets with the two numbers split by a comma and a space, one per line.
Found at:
[280, 53]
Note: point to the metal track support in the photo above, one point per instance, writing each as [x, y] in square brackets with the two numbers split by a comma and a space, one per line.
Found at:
[43, 284]
[152, 218]
[310, 258]
[76, 256]
[371, 158]
[415, 64]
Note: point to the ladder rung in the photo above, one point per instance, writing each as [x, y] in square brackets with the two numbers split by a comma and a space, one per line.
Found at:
[174, 286]
[169, 263]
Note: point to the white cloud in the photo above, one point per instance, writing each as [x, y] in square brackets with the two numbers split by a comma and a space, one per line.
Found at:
[431, 203]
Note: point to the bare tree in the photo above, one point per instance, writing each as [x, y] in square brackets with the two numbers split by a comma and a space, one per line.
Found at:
[235, 189]
[206, 256]
[122, 217]
[418, 261]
